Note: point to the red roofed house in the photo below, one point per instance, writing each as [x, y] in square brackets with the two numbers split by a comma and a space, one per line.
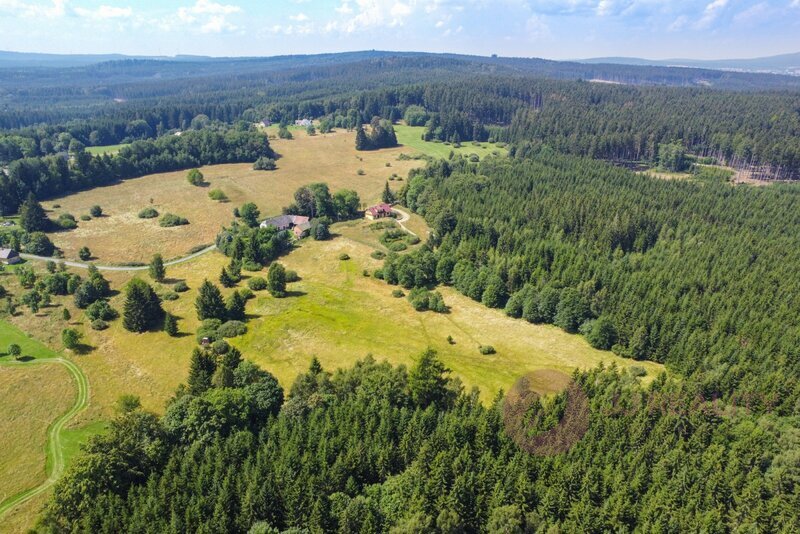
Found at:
[378, 212]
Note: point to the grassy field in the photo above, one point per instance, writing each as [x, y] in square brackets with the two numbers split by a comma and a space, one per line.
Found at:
[107, 149]
[120, 236]
[411, 137]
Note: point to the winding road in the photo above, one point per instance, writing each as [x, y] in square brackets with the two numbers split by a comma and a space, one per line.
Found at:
[82, 265]
[404, 217]
[55, 449]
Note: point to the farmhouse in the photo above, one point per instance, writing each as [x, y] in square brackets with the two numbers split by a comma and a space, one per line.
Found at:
[298, 224]
[266, 123]
[378, 212]
[303, 122]
[9, 256]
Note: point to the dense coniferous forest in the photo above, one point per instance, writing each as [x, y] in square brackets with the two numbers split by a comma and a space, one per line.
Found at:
[697, 275]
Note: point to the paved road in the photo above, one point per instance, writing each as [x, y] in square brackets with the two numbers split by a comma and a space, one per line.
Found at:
[404, 217]
[82, 265]
[55, 449]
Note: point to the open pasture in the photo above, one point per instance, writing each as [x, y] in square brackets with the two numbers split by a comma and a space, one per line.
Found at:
[120, 236]
[411, 137]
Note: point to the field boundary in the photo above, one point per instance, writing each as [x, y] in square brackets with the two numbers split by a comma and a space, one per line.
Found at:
[54, 447]
[82, 265]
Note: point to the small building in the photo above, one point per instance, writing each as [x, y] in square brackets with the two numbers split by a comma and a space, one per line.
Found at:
[378, 212]
[266, 123]
[9, 256]
[305, 123]
[298, 224]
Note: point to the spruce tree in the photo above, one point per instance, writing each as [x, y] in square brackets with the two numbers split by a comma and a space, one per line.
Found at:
[225, 279]
[276, 280]
[362, 142]
[209, 303]
[171, 324]
[157, 270]
[142, 309]
[235, 307]
[201, 369]
[32, 217]
[387, 196]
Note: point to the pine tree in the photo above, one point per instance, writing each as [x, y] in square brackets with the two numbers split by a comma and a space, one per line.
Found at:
[157, 270]
[276, 280]
[65, 314]
[235, 307]
[209, 303]
[201, 369]
[32, 217]
[142, 309]
[171, 324]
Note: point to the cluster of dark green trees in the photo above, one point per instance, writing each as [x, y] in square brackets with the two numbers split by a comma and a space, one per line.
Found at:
[377, 448]
[381, 135]
[696, 275]
[53, 175]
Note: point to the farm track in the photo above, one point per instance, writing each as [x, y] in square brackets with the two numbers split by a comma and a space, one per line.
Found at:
[404, 217]
[81, 265]
[54, 446]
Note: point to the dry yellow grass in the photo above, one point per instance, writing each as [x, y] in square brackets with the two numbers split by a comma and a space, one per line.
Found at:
[33, 397]
[120, 236]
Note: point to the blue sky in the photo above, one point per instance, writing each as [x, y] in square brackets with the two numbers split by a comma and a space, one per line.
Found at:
[558, 29]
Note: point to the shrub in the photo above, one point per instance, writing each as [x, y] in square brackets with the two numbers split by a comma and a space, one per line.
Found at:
[292, 276]
[412, 239]
[70, 338]
[487, 350]
[361, 172]
[257, 283]
[169, 219]
[397, 246]
[220, 346]
[169, 295]
[398, 293]
[217, 194]
[66, 221]
[344, 257]
[246, 293]
[378, 255]
[637, 371]
[85, 218]
[14, 350]
[210, 329]
[101, 309]
[365, 273]
[148, 213]
[194, 177]
[252, 266]
[232, 329]
[450, 340]
[180, 287]
[264, 164]
[84, 253]
[99, 324]
[95, 211]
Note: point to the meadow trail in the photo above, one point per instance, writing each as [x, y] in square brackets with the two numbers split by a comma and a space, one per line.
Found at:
[81, 265]
[54, 446]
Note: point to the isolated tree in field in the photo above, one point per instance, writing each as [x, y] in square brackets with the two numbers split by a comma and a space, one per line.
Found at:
[14, 350]
[84, 253]
[427, 380]
[70, 338]
[170, 324]
[284, 133]
[387, 196]
[194, 177]
[276, 280]
[95, 211]
[209, 303]
[235, 307]
[32, 217]
[157, 270]
[66, 315]
[33, 300]
[142, 309]
[250, 214]
[225, 278]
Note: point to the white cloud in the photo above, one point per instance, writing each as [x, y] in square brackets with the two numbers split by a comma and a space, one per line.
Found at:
[710, 13]
[536, 27]
[300, 17]
[211, 17]
[50, 10]
[104, 12]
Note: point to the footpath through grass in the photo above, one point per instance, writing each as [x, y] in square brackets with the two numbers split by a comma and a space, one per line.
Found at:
[35, 353]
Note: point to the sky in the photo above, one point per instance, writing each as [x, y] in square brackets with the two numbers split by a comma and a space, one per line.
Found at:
[557, 29]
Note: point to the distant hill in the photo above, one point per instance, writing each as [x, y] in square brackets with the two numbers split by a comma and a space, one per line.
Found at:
[780, 64]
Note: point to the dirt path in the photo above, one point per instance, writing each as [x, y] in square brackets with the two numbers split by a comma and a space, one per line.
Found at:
[55, 449]
[404, 217]
[82, 265]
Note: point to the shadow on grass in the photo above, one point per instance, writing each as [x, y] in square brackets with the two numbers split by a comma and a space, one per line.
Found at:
[295, 294]
[170, 281]
[82, 349]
